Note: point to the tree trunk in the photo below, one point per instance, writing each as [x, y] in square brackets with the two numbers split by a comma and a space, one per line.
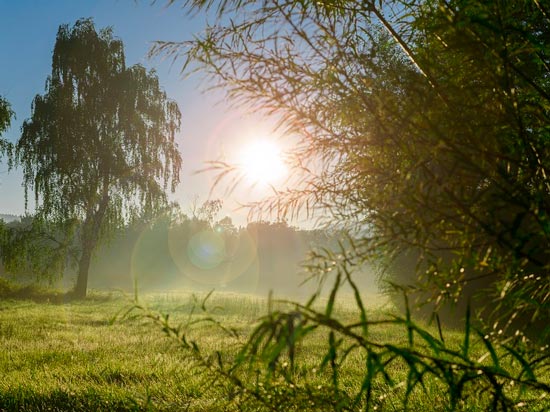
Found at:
[81, 286]
[89, 239]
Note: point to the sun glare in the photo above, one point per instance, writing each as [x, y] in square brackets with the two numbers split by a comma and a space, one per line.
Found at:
[261, 162]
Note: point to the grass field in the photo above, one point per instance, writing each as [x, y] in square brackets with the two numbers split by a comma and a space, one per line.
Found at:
[70, 356]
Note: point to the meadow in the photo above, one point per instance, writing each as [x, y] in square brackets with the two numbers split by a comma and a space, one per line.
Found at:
[59, 355]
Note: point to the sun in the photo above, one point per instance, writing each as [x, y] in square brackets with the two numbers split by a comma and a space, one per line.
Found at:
[261, 162]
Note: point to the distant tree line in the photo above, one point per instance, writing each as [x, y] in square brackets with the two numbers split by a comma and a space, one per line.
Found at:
[171, 251]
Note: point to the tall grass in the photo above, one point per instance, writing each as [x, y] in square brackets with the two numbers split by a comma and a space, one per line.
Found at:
[231, 352]
[378, 362]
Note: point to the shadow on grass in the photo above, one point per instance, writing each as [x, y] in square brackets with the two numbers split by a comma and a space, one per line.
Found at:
[60, 400]
[41, 294]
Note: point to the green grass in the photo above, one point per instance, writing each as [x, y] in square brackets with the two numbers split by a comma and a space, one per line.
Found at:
[69, 356]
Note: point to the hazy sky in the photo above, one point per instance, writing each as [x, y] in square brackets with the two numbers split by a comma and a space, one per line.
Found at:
[210, 130]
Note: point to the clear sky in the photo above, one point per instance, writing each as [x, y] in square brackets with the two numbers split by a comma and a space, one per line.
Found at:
[210, 129]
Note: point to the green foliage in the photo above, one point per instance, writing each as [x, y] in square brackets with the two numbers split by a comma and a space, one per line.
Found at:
[10, 290]
[100, 144]
[424, 130]
[36, 248]
[6, 115]
[396, 362]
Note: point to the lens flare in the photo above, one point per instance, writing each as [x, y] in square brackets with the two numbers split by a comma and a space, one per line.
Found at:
[206, 250]
[208, 258]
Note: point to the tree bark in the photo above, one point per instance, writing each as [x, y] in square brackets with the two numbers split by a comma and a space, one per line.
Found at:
[89, 239]
[81, 286]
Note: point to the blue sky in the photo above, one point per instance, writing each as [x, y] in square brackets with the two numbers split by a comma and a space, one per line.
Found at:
[210, 128]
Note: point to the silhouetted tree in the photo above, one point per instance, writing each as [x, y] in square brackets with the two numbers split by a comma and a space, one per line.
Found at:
[208, 211]
[100, 143]
[6, 115]
[226, 226]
